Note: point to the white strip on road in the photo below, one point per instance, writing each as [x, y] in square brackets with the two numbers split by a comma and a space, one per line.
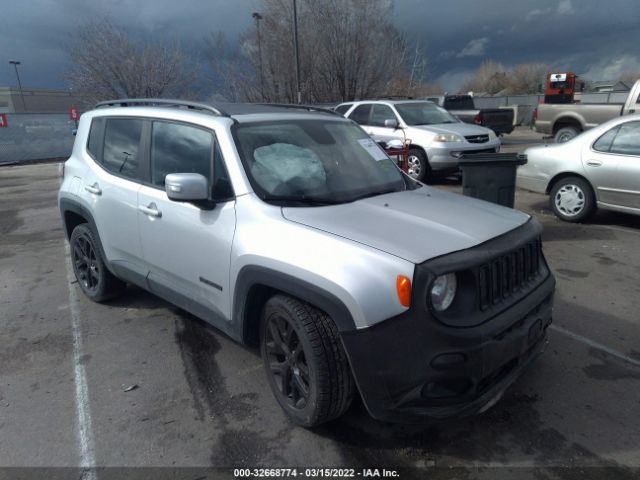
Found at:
[596, 345]
[85, 432]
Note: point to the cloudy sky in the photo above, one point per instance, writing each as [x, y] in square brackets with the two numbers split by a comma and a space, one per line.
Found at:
[598, 39]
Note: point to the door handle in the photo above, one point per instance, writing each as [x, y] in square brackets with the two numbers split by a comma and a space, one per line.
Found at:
[95, 188]
[594, 163]
[151, 210]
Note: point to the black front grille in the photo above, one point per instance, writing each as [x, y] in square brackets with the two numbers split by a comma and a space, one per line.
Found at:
[477, 138]
[507, 274]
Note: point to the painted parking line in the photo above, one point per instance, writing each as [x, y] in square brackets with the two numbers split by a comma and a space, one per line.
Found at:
[596, 345]
[84, 431]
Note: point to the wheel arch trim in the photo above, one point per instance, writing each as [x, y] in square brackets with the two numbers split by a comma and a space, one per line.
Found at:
[253, 275]
[68, 205]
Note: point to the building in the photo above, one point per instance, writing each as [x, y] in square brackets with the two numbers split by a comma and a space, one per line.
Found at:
[36, 100]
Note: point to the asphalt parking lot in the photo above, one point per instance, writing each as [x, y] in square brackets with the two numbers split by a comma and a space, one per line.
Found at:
[137, 382]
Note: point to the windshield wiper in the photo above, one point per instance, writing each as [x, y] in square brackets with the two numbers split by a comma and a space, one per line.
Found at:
[304, 199]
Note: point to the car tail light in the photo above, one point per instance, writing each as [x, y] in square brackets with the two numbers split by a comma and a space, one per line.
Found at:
[478, 118]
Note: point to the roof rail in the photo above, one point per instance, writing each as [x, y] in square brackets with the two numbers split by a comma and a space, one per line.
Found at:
[126, 102]
[310, 108]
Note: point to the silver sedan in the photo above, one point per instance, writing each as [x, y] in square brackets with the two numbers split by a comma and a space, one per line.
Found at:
[598, 169]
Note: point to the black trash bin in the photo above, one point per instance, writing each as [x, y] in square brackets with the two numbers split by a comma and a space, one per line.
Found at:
[491, 176]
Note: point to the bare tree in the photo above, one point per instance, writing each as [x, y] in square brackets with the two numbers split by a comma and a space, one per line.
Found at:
[107, 64]
[348, 49]
[490, 77]
[526, 78]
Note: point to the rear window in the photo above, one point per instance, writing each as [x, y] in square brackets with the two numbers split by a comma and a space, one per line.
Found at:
[459, 102]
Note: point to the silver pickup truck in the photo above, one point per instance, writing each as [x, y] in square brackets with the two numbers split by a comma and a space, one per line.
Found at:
[566, 121]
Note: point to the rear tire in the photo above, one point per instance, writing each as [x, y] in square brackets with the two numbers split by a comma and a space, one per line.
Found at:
[305, 363]
[96, 281]
[572, 199]
[418, 165]
[565, 134]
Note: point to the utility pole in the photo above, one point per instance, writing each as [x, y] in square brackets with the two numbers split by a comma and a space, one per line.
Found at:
[257, 18]
[15, 64]
[295, 47]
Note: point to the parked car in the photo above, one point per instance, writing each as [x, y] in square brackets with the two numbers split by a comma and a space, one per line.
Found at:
[600, 168]
[566, 121]
[500, 120]
[288, 228]
[438, 139]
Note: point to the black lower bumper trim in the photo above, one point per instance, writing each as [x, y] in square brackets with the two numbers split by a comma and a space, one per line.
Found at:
[413, 367]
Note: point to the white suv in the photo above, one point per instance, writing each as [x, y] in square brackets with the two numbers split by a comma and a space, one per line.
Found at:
[288, 228]
[438, 138]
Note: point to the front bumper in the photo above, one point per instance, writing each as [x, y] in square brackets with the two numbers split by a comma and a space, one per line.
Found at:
[446, 155]
[413, 366]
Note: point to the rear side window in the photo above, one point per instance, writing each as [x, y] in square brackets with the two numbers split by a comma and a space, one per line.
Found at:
[95, 137]
[361, 114]
[603, 144]
[627, 141]
[342, 109]
[121, 146]
[177, 148]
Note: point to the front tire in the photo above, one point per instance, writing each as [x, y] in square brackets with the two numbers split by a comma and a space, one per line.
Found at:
[572, 199]
[305, 363]
[418, 165]
[96, 281]
[565, 134]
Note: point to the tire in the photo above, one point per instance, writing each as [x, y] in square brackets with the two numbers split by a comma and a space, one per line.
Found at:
[418, 165]
[565, 134]
[96, 281]
[305, 363]
[572, 199]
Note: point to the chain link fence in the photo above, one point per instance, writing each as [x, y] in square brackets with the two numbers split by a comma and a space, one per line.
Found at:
[35, 136]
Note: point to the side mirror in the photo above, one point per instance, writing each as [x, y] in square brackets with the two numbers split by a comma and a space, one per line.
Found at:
[582, 85]
[186, 187]
[391, 123]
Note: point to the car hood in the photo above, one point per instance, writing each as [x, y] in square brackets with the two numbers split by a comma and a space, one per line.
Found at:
[464, 129]
[415, 225]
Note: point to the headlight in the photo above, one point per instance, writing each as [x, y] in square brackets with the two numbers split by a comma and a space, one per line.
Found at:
[443, 291]
[492, 135]
[447, 137]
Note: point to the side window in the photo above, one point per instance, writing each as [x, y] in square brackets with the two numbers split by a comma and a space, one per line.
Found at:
[342, 109]
[361, 114]
[95, 137]
[222, 189]
[627, 141]
[121, 144]
[603, 144]
[380, 114]
[177, 148]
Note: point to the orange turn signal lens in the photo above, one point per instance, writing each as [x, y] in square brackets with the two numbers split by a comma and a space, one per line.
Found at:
[403, 287]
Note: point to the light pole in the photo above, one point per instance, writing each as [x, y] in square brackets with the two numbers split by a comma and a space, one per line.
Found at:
[295, 47]
[15, 64]
[257, 18]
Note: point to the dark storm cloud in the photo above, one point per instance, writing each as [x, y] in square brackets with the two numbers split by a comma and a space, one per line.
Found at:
[591, 37]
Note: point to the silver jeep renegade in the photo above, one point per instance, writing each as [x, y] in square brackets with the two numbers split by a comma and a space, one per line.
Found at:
[288, 228]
